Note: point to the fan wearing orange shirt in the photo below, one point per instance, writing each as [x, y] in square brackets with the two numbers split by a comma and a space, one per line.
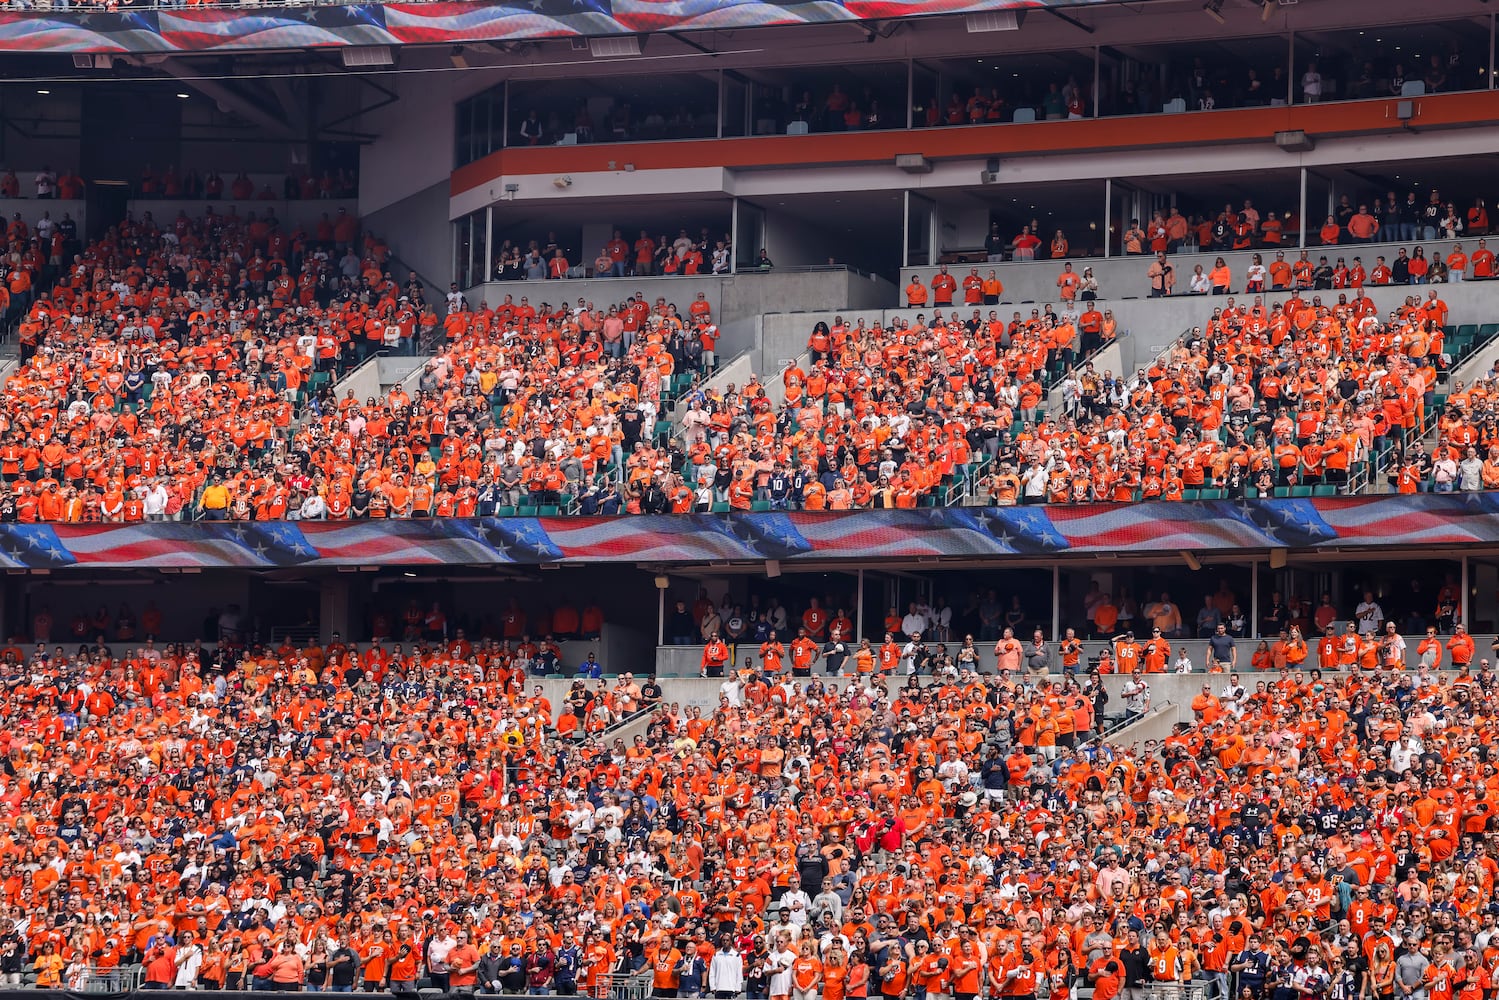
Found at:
[916, 293]
[806, 972]
[943, 286]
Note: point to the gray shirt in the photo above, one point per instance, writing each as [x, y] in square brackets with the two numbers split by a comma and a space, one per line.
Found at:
[1222, 647]
[1410, 973]
[1097, 944]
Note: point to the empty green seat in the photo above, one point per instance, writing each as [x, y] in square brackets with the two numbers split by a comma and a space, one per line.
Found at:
[1191, 494]
[1324, 490]
[548, 510]
[759, 506]
[525, 510]
[1301, 491]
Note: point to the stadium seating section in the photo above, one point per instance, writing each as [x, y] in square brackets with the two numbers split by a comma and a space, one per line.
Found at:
[940, 804]
[419, 815]
[191, 371]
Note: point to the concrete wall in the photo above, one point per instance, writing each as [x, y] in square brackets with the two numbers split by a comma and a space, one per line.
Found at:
[784, 335]
[1118, 277]
[686, 661]
[1153, 729]
[396, 368]
[414, 148]
[1148, 326]
[792, 303]
[1171, 697]
[618, 648]
[733, 297]
[793, 241]
[417, 230]
[363, 381]
[376, 375]
[1155, 323]
[1481, 361]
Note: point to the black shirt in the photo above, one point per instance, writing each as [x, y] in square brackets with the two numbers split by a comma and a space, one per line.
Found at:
[630, 425]
[342, 973]
[1136, 962]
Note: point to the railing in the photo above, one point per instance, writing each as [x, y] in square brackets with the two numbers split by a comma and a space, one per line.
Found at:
[298, 635]
[964, 487]
[1364, 477]
[686, 661]
[1361, 474]
[723, 372]
[98, 979]
[1054, 404]
[348, 375]
[427, 341]
[631, 986]
[739, 272]
[1113, 725]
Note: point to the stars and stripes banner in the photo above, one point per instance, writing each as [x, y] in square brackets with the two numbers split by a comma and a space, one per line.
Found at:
[1417, 521]
[146, 29]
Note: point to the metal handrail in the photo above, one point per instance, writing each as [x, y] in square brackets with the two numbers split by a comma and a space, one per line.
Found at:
[1123, 722]
[423, 344]
[375, 356]
[393, 257]
[101, 979]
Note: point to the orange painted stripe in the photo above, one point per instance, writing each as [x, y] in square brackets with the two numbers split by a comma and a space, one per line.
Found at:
[830, 149]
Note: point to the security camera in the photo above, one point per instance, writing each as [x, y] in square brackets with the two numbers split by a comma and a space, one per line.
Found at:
[562, 182]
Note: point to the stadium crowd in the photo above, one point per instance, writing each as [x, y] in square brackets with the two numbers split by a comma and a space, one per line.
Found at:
[1263, 397]
[187, 370]
[373, 816]
[1389, 218]
[1296, 394]
[164, 357]
[683, 255]
[210, 185]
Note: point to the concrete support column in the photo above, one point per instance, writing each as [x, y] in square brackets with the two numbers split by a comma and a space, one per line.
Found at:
[335, 607]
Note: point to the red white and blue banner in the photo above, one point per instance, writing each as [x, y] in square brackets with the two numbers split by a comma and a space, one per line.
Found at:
[144, 29]
[1214, 526]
